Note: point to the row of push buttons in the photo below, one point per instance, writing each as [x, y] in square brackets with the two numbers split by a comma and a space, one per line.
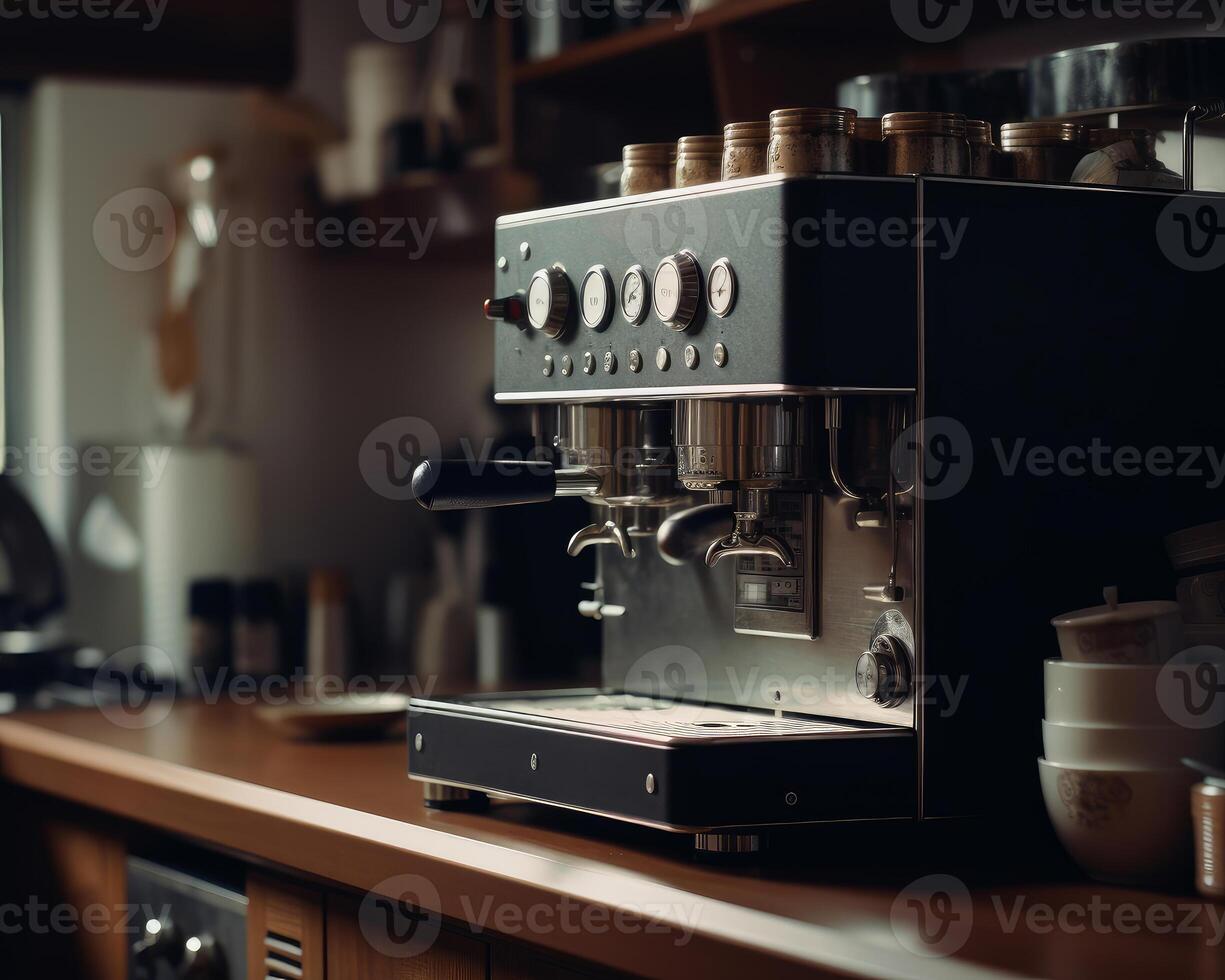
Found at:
[663, 360]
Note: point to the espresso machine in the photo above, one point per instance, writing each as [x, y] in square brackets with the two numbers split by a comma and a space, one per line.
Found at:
[825, 568]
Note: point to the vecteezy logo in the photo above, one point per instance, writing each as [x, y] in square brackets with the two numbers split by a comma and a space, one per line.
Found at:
[932, 21]
[134, 230]
[933, 915]
[651, 232]
[392, 451]
[944, 452]
[668, 674]
[135, 687]
[400, 916]
[401, 21]
[1191, 233]
[1191, 688]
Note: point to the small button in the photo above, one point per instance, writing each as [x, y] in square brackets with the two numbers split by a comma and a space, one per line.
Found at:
[691, 356]
[548, 365]
[588, 362]
[525, 251]
[720, 355]
[419, 742]
[635, 360]
[567, 366]
[534, 762]
[663, 359]
[649, 783]
[610, 362]
[503, 265]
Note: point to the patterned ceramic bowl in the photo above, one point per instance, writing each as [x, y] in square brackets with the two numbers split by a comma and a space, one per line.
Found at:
[1126, 826]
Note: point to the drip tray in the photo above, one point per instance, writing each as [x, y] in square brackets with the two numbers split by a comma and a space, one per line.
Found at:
[675, 765]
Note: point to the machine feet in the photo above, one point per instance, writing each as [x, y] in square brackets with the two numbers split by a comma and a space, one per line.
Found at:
[726, 844]
[440, 796]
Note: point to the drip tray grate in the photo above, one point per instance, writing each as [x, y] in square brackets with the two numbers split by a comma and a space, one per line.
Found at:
[654, 719]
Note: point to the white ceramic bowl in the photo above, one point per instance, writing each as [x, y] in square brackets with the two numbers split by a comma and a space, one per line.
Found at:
[1127, 826]
[1129, 633]
[1123, 694]
[1130, 746]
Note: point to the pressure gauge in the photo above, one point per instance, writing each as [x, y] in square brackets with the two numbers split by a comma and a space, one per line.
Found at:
[721, 288]
[634, 294]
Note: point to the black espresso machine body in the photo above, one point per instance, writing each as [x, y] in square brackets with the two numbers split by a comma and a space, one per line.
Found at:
[898, 408]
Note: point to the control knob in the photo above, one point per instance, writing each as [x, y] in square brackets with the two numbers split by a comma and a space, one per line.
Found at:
[548, 301]
[882, 674]
[677, 290]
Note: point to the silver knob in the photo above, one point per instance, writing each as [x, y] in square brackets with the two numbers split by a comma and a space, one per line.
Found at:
[548, 301]
[882, 674]
[677, 289]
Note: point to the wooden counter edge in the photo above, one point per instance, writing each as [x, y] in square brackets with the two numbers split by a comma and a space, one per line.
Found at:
[364, 850]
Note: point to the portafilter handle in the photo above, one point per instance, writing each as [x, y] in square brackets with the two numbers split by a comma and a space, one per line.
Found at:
[687, 536]
[607, 533]
[737, 546]
[460, 484]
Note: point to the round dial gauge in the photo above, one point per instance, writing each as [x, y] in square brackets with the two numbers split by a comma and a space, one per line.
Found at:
[634, 294]
[595, 297]
[721, 288]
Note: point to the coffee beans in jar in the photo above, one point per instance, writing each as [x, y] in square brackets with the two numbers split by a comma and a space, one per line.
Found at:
[869, 146]
[699, 160]
[811, 141]
[647, 167]
[745, 145]
[926, 143]
[983, 154]
[1043, 151]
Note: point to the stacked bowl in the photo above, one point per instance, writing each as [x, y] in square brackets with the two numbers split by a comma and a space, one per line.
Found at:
[1122, 710]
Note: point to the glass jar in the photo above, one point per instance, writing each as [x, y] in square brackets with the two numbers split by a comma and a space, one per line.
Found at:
[1043, 151]
[982, 150]
[646, 167]
[745, 145]
[699, 160]
[811, 141]
[869, 145]
[926, 143]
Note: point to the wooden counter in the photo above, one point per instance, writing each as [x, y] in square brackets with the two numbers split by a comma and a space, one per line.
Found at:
[827, 901]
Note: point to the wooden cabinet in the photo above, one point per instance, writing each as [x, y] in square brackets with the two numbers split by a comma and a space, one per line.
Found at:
[285, 931]
[404, 945]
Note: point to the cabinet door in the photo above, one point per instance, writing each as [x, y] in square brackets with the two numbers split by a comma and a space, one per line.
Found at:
[397, 945]
[284, 930]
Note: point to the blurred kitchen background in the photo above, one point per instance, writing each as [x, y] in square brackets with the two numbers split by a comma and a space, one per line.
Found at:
[293, 379]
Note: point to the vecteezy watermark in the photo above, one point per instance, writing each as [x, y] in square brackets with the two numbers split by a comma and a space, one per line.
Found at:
[42, 918]
[1191, 688]
[399, 917]
[1191, 233]
[135, 687]
[400, 21]
[391, 452]
[670, 675]
[934, 916]
[404, 21]
[135, 231]
[146, 463]
[147, 13]
[302, 688]
[685, 224]
[937, 21]
[945, 452]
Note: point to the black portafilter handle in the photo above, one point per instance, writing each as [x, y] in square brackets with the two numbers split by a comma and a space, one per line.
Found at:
[461, 484]
[685, 536]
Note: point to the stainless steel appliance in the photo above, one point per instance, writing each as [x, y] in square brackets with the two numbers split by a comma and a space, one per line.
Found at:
[805, 413]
